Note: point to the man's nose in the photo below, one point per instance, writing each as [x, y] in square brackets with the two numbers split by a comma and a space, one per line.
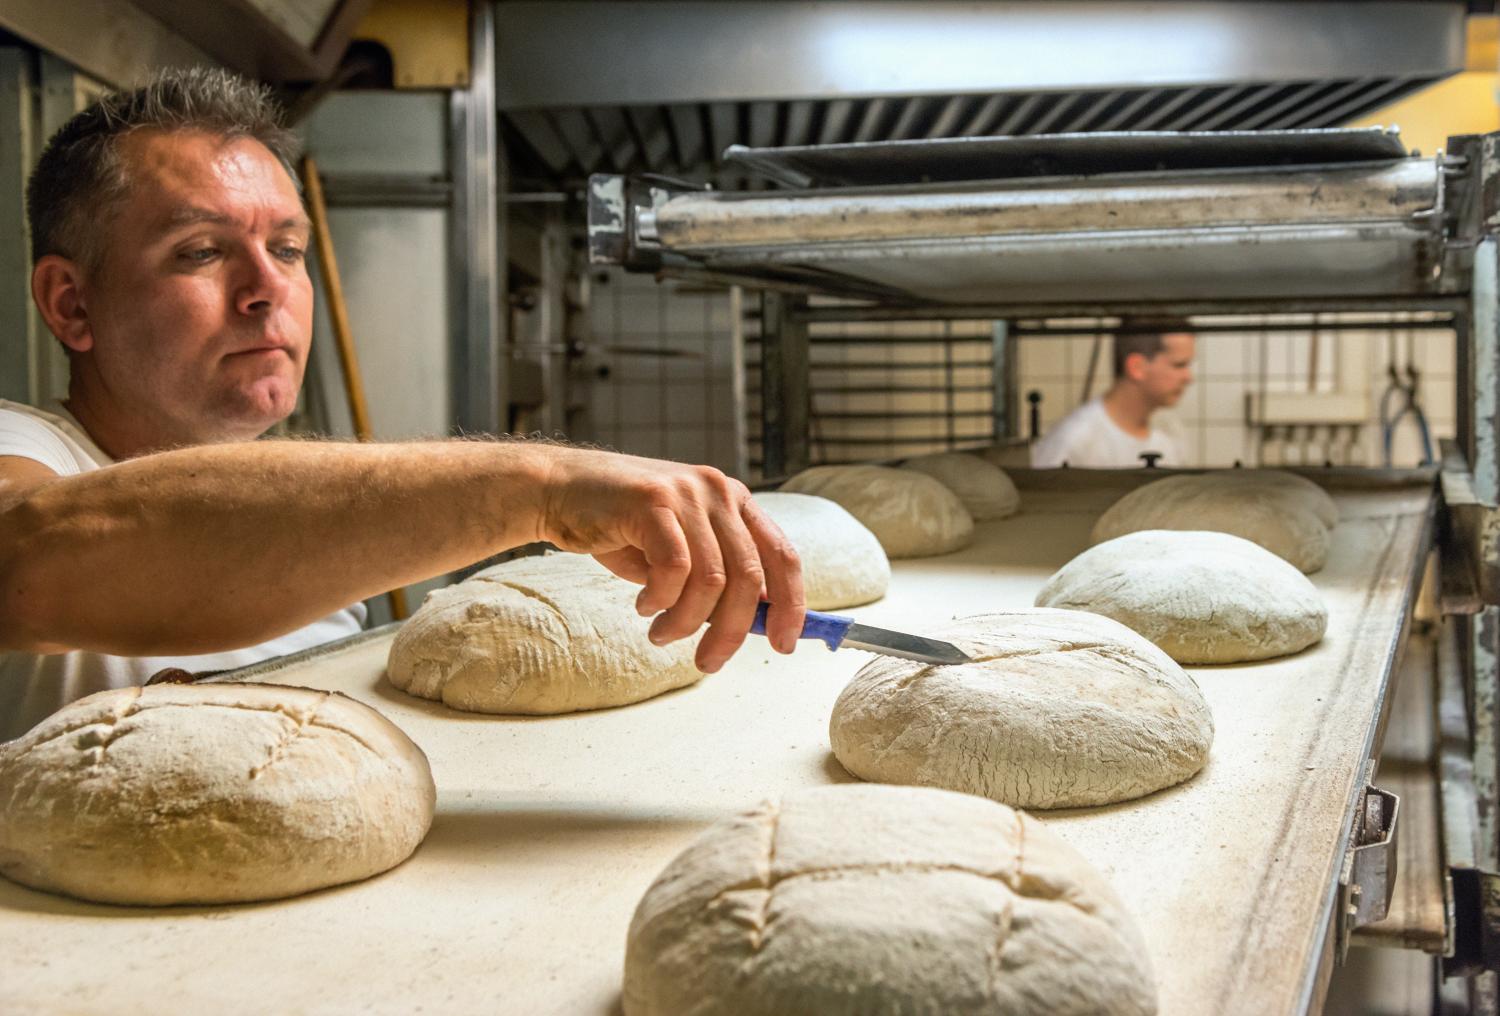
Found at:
[262, 286]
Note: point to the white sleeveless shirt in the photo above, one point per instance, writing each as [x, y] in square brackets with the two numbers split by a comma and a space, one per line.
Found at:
[33, 686]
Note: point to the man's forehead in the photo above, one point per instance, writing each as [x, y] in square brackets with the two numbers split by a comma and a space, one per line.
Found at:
[187, 178]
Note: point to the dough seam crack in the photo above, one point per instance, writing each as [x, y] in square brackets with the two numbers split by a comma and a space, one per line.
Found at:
[278, 750]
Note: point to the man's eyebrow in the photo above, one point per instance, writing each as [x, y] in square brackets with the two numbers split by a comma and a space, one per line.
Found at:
[189, 215]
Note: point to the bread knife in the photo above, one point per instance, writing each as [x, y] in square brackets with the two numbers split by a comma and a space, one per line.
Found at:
[846, 633]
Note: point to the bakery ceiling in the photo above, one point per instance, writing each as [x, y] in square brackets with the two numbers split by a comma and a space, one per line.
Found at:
[665, 87]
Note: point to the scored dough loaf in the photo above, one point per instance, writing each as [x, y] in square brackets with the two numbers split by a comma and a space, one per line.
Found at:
[843, 565]
[883, 901]
[210, 793]
[1060, 709]
[983, 488]
[557, 633]
[911, 514]
[1202, 597]
[1276, 515]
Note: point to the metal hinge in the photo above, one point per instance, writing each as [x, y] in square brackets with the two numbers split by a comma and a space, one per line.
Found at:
[1368, 877]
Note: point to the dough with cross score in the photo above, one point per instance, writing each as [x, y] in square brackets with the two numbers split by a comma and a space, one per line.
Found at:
[1059, 709]
[983, 488]
[883, 901]
[911, 514]
[1201, 597]
[557, 633]
[209, 793]
[843, 565]
[1272, 513]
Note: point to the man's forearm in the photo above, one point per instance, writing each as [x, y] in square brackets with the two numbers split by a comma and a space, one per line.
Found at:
[209, 548]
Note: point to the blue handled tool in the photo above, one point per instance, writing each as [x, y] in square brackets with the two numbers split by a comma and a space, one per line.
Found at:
[846, 633]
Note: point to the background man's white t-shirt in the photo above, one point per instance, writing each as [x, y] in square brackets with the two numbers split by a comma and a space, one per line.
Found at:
[1088, 439]
[33, 686]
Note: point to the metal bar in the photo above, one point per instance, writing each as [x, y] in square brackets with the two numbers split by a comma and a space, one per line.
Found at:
[367, 190]
[1188, 308]
[943, 123]
[17, 371]
[982, 117]
[1223, 117]
[1016, 116]
[1334, 95]
[1166, 109]
[1485, 627]
[1004, 377]
[835, 121]
[911, 112]
[478, 373]
[1101, 102]
[1360, 100]
[1207, 328]
[1060, 105]
[1293, 99]
[738, 384]
[869, 121]
[786, 403]
[1134, 106]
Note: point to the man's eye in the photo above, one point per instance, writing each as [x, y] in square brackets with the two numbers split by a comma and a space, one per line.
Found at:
[199, 255]
[290, 254]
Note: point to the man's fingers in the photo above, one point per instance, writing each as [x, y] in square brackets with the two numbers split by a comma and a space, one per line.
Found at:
[700, 593]
[783, 579]
[669, 562]
[628, 563]
[731, 618]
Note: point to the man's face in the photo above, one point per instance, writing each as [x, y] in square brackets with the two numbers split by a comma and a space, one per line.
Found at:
[1165, 376]
[201, 309]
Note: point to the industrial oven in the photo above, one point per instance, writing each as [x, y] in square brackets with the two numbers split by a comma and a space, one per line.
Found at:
[1022, 229]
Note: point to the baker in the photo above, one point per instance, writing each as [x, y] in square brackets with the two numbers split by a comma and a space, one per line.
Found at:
[142, 525]
[1153, 365]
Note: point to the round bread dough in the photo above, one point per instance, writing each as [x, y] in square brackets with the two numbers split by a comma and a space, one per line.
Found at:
[1304, 491]
[983, 488]
[911, 514]
[1060, 709]
[1201, 597]
[843, 565]
[881, 901]
[210, 793]
[556, 633]
[1272, 514]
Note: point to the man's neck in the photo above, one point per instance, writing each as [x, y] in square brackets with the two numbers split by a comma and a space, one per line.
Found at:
[1129, 408]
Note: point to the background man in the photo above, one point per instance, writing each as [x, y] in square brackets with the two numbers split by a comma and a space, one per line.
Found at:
[1153, 365]
[141, 523]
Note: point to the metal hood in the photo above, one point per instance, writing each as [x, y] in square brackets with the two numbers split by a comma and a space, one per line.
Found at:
[656, 86]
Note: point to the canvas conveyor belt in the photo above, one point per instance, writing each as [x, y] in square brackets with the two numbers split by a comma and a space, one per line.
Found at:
[549, 829]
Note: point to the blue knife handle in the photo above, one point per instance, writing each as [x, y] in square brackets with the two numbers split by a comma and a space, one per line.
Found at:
[830, 628]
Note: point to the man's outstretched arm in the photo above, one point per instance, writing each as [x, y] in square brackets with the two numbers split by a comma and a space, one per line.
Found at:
[215, 547]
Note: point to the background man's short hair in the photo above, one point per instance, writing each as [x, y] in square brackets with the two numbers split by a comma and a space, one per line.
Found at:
[1144, 335]
[80, 173]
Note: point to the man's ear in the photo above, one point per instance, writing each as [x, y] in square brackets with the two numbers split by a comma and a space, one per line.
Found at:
[57, 288]
[1135, 366]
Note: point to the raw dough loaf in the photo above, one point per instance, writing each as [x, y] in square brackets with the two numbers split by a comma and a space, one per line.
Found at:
[214, 793]
[912, 515]
[1273, 514]
[843, 565]
[551, 634]
[1306, 493]
[1060, 709]
[868, 901]
[1202, 597]
[983, 488]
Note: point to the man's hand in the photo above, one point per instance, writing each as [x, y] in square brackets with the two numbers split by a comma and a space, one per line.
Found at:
[691, 535]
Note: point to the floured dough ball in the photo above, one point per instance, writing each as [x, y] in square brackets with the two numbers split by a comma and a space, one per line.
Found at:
[1273, 515]
[912, 515]
[1302, 490]
[983, 488]
[843, 565]
[1059, 709]
[552, 634]
[883, 901]
[210, 793]
[1202, 597]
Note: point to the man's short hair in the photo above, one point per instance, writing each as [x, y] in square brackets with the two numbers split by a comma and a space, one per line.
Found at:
[1144, 336]
[80, 173]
